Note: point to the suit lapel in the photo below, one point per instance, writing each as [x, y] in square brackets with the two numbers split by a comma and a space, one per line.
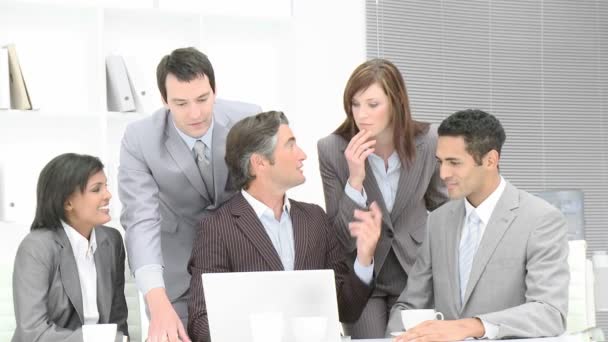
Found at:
[300, 236]
[103, 260]
[251, 226]
[373, 191]
[220, 170]
[408, 178]
[184, 158]
[499, 223]
[69, 273]
[452, 241]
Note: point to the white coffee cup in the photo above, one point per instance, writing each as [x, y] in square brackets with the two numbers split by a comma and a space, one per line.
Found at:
[309, 328]
[266, 326]
[411, 318]
[99, 332]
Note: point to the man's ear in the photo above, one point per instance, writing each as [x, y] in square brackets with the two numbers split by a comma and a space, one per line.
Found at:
[257, 162]
[491, 159]
[67, 206]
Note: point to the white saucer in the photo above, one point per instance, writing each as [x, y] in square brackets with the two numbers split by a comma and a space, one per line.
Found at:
[397, 333]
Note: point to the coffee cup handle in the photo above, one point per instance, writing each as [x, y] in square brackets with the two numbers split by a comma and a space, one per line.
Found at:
[439, 315]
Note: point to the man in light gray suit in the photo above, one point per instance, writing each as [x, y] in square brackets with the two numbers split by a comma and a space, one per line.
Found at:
[172, 174]
[495, 258]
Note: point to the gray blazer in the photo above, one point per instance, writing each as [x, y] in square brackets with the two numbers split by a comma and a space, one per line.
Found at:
[163, 194]
[46, 286]
[419, 189]
[519, 279]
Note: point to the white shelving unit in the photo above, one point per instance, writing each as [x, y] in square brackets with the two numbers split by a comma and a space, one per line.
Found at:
[62, 47]
[290, 55]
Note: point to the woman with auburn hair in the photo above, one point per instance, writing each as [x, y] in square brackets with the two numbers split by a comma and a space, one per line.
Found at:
[380, 154]
[69, 270]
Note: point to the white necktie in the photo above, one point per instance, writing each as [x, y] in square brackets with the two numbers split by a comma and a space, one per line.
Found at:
[468, 246]
[204, 166]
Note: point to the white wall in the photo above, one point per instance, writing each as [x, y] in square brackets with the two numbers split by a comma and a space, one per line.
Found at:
[296, 61]
[329, 42]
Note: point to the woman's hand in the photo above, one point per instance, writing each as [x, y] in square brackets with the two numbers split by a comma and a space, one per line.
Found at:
[357, 151]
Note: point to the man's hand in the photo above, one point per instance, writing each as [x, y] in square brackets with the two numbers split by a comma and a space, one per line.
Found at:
[456, 330]
[165, 324]
[366, 229]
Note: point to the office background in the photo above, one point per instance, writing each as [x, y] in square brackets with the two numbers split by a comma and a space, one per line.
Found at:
[541, 66]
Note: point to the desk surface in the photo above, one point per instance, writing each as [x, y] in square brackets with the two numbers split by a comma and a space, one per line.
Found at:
[565, 338]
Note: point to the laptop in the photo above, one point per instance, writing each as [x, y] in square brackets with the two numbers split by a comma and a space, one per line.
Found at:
[233, 297]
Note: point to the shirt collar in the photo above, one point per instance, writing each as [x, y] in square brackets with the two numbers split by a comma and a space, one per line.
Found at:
[206, 138]
[484, 209]
[393, 160]
[80, 245]
[260, 208]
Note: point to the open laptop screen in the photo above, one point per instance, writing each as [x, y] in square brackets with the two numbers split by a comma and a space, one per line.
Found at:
[232, 299]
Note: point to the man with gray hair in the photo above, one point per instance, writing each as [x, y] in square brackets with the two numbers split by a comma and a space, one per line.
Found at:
[260, 229]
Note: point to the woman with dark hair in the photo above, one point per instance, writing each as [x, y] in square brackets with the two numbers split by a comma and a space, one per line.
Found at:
[380, 154]
[69, 270]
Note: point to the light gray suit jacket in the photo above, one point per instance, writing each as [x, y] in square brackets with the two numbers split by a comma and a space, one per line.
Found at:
[163, 194]
[46, 286]
[519, 279]
[404, 228]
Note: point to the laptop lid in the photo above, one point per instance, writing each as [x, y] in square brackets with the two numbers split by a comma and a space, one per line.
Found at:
[232, 298]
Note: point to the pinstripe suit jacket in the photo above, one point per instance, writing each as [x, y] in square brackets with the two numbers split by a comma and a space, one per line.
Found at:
[403, 229]
[234, 240]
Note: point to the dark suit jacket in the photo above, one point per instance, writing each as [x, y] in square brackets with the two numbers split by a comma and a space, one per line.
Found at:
[46, 286]
[234, 240]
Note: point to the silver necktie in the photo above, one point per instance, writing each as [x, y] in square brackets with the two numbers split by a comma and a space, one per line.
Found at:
[204, 166]
[468, 246]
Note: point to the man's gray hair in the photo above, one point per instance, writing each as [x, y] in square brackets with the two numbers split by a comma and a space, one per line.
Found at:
[253, 134]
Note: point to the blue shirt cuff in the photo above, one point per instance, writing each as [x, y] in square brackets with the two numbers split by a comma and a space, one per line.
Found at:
[365, 273]
[360, 198]
[149, 277]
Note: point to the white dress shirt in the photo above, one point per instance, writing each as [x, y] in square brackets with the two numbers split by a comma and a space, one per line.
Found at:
[484, 211]
[387, 179]
[281, 235]
[150, 276]
[280, 232]
[87, 273]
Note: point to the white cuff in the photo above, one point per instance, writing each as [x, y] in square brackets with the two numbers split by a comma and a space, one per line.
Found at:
[365, 273]
[360, 198]
[490, 328]
[149, 277]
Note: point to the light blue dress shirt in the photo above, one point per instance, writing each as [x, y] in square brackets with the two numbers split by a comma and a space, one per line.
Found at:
[281, 234]
[387, 179]
[190, 141]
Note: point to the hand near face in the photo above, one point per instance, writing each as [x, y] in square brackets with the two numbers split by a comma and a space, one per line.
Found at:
[455, 330]
[357, 151]
[366, 229]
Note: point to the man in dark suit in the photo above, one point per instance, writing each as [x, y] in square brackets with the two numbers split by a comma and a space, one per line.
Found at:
[259, 229]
